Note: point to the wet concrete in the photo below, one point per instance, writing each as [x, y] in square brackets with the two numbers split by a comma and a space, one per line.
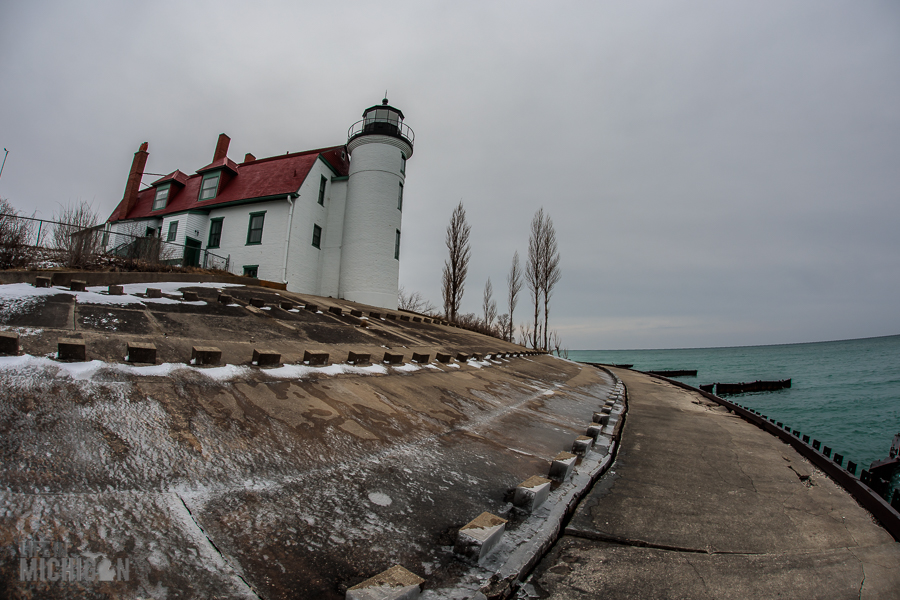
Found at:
[701, 504]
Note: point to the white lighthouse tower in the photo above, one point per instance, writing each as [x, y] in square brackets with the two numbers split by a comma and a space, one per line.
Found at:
[379, 146]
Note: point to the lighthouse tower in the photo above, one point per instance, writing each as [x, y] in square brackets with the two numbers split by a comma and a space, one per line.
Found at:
[379, 147]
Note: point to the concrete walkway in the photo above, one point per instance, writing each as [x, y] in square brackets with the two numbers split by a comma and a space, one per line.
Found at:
[700, 504]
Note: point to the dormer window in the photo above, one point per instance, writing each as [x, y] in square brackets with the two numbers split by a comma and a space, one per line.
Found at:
[209, 186]
[161, 198]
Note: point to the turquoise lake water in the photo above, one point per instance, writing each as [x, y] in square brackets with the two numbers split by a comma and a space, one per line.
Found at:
[845, 393]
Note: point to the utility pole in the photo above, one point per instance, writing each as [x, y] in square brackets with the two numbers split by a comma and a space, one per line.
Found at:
[4, 161]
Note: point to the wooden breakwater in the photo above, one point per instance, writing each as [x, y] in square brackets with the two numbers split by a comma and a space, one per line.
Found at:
[743, 388]
[601, 365]
[675, 373]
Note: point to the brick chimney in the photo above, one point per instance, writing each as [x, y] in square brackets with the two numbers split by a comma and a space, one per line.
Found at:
[221, 147]
[249, 158]
[133, 186]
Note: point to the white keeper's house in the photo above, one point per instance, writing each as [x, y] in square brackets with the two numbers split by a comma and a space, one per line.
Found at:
[325, 222]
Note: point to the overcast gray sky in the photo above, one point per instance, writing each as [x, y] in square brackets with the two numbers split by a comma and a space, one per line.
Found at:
[719, 173]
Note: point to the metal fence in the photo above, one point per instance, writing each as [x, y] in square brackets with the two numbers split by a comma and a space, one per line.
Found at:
[30, 242]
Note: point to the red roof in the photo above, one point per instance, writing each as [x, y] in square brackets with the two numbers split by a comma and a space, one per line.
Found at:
[261, 178]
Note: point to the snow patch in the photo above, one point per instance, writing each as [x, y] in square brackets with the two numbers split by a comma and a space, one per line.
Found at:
[380, 499]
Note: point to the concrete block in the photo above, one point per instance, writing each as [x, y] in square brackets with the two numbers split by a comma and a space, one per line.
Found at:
[462, 357]
[225, 299]
[417, 319]
[153, 293]
[609, 403]
[393, 359]
[421, 358]
[257, 302]
[561, 466]
[594, 431]
[477, 538]
[394, 584]
[266, 358]
[9, 343]
[71, 349]
[77, 285]
[477, 356]
[404, 317]
[205, 355]
[443, 358]
[337, 310]
[315, 358]
[356, 312]
[582, 444]
[359, 358]
[390, 316]
[190, 296]
[42, 282]
[311, 308]
[287, 305]
[141, 352]
[531, 493]
[374, 315]
[115, 290]
[605, 409]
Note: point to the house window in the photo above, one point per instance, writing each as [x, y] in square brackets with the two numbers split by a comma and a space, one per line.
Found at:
[215, 233]
[209, 186]
[173, 231]
[254, 232]
[151, 232]
[402, 164]
[322, 183]
[397, 246]
[162, 196]
[400, 198]
[317, 236]
[251, 271]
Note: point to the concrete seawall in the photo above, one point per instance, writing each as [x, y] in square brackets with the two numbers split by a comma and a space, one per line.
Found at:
[702, 504]
[887, 515]
[216, 476]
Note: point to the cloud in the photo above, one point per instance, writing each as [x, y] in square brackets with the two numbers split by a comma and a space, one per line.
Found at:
[725, 172]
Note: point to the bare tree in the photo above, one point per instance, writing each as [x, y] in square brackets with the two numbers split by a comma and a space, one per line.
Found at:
[489, 306]
[556, 343]
[74, 234]
[524, 333]
[534, 271]
[14, 235]
[414, 302]
[456, 267]
[505, 327]
[514, 286]
[550, 272]
[542, 273]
